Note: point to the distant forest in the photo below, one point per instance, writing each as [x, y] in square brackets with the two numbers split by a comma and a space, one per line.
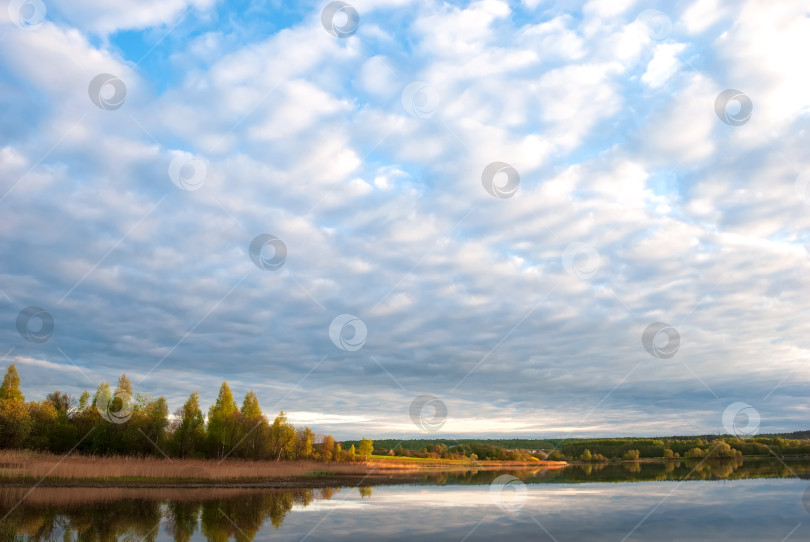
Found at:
[604, 449]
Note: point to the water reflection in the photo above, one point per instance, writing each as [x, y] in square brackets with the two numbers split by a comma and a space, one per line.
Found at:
[107, 514]
[88, 514]
[733, 469]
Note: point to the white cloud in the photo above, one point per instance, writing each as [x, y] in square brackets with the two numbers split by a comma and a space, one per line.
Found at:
[664, 64]
[607, 8]
[109, 17]
[384, 215]
[680, 132]
[379, 77]
[702, 14]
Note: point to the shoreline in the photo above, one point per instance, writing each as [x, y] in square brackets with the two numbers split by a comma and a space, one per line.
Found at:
[27, 470]
[372, 479]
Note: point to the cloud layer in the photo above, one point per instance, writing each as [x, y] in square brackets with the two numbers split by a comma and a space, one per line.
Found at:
[364, 156]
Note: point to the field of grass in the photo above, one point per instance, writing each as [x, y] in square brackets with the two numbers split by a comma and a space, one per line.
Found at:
[29, 466]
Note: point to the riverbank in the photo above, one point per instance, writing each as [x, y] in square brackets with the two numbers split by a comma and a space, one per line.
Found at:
[23, 469]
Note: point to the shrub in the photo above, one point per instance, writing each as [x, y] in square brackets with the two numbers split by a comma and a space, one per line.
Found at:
[555, 455]
[586, 455]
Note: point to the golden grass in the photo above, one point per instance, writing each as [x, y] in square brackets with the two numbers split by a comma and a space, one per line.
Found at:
[27, 465]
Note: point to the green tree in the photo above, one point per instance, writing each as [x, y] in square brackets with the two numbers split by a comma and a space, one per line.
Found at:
[304, 443]
[366, 448]
[250, 406]
[282, 438]
[722, 449]
[146, 431]
[189, 435]
[10, 389]
[45, 426]
[586, 455]
[84, 400]
[326, 448]
[62, 432]
[15, 420]
[124, 385]
[221, 421]
[62, 402]
[555, 455]
[114, 432]
[15, 423]
[85, 420]
[102, 393]
[254, 431]
[631, 455]
[695, 453]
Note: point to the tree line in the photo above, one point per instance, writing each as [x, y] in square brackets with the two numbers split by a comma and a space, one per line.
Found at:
[471, 450]
[605, 449]
[116, 422]
[722, 447]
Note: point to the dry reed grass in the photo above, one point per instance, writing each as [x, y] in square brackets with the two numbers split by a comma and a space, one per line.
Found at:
[21, 464]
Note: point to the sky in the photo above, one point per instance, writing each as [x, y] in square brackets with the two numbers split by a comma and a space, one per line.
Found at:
[414, 218]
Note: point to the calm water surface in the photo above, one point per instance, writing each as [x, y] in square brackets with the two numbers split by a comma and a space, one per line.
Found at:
[722, 501]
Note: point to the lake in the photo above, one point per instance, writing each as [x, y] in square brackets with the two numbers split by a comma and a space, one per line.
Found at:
[758, 500]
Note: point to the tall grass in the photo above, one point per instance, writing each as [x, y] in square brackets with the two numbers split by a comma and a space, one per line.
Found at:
[27, 465]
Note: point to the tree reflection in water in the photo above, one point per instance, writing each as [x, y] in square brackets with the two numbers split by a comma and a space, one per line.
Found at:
[109, 514]
[100, 515]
